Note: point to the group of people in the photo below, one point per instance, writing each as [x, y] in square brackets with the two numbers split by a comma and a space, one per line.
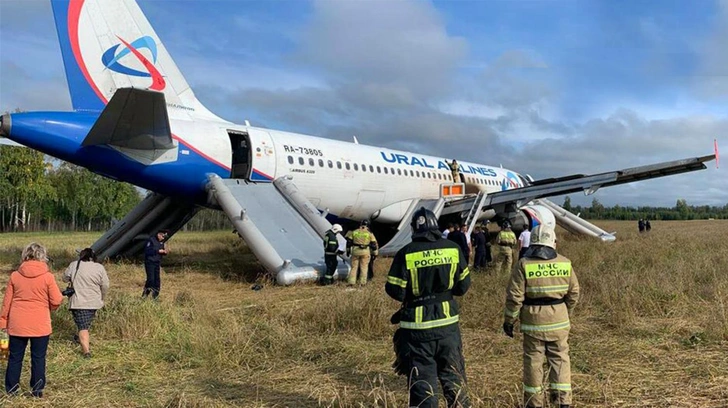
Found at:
[32, 294]
[644, 225]
[502, 249]
[362, 248]
[426, 275]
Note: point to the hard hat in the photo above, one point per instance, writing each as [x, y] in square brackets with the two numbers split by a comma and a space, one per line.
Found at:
[423, 222]
[336, 228]
[365, 223]
[544, 235]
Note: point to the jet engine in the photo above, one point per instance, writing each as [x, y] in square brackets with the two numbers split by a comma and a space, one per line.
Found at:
[532, 215]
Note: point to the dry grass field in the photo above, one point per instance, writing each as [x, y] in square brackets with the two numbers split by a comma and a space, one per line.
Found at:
[651, 329]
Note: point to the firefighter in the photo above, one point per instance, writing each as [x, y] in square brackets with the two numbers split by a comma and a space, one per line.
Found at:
[455, 170]
[331, 251]
[505, 242]
[542, 292]
[424, 276]
[358, 244]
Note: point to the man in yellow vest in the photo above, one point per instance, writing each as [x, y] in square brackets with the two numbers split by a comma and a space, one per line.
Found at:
[542, 291]
[358, 243]
[505, 242]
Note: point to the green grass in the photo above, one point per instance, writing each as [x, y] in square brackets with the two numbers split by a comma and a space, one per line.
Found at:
[650, 331]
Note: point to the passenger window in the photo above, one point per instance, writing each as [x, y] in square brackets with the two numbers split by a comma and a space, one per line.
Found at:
[356, 167]
[417, 173]
[290, 159]
[364, 168]
[429, 175]
[348, 167]
[311, 162]
[392, 170]
[399, 172]
[379, 169]
[386, 171]
[321, 162]
[412, 173]
[331, 164]
[300, 161]
[338, 165]
[371, 168]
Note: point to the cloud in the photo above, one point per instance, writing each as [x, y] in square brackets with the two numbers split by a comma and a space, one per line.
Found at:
[402, 44]
[712, 82]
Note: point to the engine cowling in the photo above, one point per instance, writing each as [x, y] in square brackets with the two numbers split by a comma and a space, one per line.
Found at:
[532, 215]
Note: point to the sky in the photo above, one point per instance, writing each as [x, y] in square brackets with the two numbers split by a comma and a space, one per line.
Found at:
[546, 88]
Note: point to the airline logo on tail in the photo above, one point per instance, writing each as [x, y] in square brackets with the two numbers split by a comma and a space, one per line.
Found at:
[111, 58]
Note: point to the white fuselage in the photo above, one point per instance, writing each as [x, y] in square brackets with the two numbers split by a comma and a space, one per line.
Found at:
[349, 180]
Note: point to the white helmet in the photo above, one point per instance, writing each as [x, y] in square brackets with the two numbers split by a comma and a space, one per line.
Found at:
[336, 228]
[544, 235]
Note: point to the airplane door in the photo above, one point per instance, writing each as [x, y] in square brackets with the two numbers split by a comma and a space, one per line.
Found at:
[263, 158]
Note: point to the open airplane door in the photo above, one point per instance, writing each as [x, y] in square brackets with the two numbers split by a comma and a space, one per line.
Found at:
[262, 156]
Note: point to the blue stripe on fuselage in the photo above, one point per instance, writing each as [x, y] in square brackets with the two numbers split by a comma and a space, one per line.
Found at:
[60, 134]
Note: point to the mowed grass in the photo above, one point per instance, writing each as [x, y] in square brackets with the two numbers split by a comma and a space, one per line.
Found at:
[650, 330]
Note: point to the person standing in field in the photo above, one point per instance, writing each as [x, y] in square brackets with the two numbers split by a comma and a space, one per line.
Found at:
[524, 240]
[30, 297]
[90, 283]
[359, 243]
[542, 293]
[424, 276]
[153, 253]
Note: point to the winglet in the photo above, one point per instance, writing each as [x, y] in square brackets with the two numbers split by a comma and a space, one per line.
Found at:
[717, 156]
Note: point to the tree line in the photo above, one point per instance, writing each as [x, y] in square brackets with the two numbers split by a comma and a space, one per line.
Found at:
[681, 211]
[38, 193]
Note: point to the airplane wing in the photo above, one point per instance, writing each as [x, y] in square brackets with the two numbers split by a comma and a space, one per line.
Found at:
[591, 183]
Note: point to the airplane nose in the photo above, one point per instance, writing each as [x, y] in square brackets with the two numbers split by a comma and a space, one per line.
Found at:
[5, 125]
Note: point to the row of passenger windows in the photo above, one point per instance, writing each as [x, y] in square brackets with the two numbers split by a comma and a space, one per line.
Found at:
[386, 170]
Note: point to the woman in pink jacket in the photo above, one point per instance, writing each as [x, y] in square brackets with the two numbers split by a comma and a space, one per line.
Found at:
[31, 295]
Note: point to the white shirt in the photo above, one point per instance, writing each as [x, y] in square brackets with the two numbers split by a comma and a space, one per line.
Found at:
[525, 239]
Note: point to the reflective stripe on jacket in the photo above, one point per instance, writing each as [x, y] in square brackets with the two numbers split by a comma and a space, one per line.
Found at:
[331, 244]
[422, 270]
[542, 279]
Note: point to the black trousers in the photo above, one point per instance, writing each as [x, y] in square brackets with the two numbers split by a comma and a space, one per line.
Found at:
[521, 252]
[153, 284]
[38, 349]
[331, 264]
[432, 361]
[370, 272]
[480, 261]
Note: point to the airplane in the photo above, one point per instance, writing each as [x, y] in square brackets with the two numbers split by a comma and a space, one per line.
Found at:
[136, 119]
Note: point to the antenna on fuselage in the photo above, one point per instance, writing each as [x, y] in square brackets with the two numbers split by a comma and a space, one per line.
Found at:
[355, 140]
[247, 123]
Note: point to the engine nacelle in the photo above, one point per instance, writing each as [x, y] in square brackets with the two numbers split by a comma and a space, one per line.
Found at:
[532, 215]
[392, 213]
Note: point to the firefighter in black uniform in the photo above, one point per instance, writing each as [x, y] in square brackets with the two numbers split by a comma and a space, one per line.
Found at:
[331, 250]
[424, 276]
[153, 252]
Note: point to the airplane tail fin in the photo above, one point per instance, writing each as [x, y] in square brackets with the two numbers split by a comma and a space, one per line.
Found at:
[107, 45]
